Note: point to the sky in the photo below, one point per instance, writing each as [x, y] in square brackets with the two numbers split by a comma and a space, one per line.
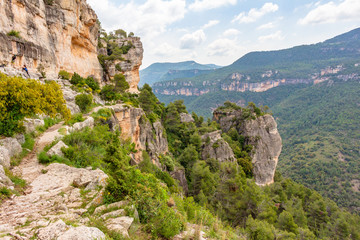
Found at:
[222, 31]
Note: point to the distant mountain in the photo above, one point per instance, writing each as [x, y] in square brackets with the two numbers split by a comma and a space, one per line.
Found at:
[168, 71]
[313, 92]
[260, 71]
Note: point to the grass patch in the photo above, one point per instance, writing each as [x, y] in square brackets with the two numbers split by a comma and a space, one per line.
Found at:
[27, 147]
[48, 122]
[78, 117]
[14, 33]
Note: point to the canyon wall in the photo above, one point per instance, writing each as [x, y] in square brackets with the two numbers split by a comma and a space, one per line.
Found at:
[60, 35]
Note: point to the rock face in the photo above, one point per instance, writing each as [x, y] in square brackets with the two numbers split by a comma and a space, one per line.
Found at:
[129, 64]
[185, 118]
[260, 132]
[216, 147]
[138, 129]
[58, 36]
[179, 174]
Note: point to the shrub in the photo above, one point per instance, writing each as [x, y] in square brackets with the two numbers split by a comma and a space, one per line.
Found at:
[20, 98]
[90, 81]
[76, 79]
[118, 67]
[64, 75]
[14, 33]
[121, 85]
[78, 117]
[108, 93]
[84, 102]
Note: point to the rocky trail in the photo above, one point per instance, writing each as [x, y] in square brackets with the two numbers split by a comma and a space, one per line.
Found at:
[56, 198]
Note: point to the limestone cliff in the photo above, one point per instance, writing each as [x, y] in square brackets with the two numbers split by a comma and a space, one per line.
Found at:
[127, 64]
[62, 35]
[214, 146]
[139, 130]
[260, 132]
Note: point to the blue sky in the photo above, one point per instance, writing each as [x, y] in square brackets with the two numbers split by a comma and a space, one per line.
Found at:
[221, 31]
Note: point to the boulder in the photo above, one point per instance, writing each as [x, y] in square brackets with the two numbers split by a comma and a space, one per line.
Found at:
[4, 157]
[56, 149]
[53, 231]
[89, 122]
[82, 233]
[30, 124]
[12, 145]
[116, 213]
[120, 204]
[186, 118]
[60, 176]
[120, 224]
[4, 180]
[20, 138]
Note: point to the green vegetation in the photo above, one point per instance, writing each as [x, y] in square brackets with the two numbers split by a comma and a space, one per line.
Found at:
[84, 101]
[14, 33]
[75, 118]
[20, 98]
[88, 84]
[64, 75]
[117, 90]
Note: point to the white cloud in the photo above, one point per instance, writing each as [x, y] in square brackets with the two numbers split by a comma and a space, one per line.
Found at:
[222, 47]
[231, 32]
[269, 25]
[254, 14]
[201, 5]
[274, 36]
[211, 23]
[146, 20]
[332, 12]
[166, 50]
[191, 40]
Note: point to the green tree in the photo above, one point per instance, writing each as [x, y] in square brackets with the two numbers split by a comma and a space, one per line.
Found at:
[286, 222]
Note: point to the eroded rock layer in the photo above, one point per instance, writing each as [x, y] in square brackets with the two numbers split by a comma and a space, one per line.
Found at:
[58, 36]
[260, 132]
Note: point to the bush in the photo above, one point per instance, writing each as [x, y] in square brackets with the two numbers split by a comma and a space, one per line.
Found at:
[76, 79]
[84, 102]
[14, 33]
[108, 93]
[78, 117]
[121, 85]
[64, 75]
[20, 98]
[90, 81]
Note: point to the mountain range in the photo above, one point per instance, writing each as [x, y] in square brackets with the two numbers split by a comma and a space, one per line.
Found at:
[313, 92]
[167, 71]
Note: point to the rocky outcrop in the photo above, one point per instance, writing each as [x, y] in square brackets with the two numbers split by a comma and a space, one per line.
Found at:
[179, 174]
[129, 64]
[31, 124]
[260, 132]
[56, 149]
[186, 118]
[9, 147]
[59, 230]
[146, 136]
[4, 180]
[62, 35]
[214, 146]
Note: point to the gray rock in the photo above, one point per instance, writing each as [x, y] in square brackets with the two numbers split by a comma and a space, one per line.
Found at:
[4, 179]
[4, 157]
[260, 132]
[179, 174]
[120, 224]
[31, 124]
[186, 118]
[82, 233]
[89, 122]
[116, 213]
[120, 204]
[56, 149]
[214, 146]
[12, 145]
[20, 138]
[52, 231]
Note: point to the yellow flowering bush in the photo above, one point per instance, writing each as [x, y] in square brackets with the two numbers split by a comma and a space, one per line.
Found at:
[20, 98]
